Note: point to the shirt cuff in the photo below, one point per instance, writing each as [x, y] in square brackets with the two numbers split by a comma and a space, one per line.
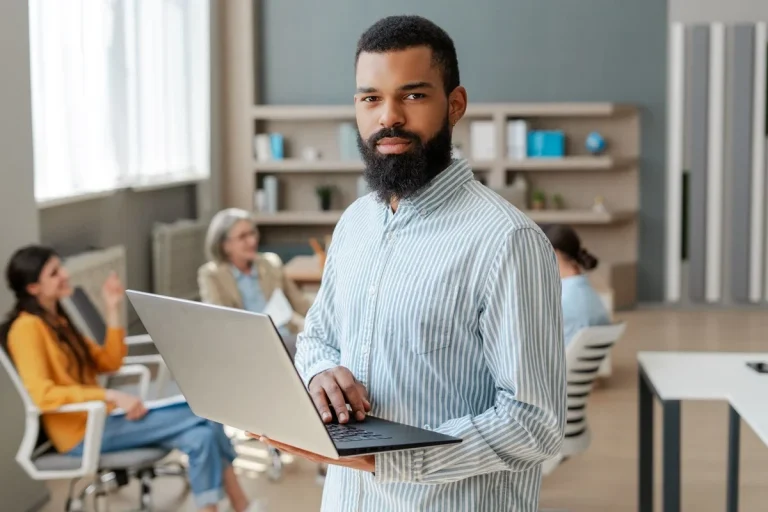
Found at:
[399, 466]
[318, 367]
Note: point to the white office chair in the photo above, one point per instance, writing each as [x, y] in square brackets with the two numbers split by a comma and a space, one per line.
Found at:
[41, 462]
[583, 358]
[84, 314]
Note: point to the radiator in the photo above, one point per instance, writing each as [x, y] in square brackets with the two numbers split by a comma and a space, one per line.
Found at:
[89, 270]
[177, 253]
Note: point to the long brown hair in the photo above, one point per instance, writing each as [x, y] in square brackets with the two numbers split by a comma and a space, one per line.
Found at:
[565, 240]
[24, 269]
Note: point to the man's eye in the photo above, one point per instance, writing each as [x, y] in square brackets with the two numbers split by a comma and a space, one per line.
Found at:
[370, 98]
[415, 96]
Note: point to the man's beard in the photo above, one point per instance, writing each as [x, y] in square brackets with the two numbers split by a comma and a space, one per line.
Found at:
[402, 175]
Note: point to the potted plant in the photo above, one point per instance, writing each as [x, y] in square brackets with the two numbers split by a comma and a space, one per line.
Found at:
[324, 193]
[539, 200]
[558, 202]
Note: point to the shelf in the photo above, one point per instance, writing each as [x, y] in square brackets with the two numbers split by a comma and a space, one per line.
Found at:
[296, 166]
[580, 217]
[574, 217]
[570, 163]
[298, 218]
[347, 112]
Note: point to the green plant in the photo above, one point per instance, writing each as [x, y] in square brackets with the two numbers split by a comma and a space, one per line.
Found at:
[324, 192]
[558, 201]
[539, 196]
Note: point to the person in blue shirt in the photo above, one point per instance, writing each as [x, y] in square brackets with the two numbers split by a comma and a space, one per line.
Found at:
[582, 306]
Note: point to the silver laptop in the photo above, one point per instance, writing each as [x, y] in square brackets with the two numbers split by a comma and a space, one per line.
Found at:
[233, 368]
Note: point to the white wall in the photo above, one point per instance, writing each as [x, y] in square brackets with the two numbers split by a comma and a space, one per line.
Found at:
[726, 11]
[19, 226]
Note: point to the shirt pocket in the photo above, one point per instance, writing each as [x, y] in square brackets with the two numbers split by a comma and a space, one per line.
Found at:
[436, 316]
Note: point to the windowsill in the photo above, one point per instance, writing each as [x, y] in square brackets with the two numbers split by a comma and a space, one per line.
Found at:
[168, 182]
[149, 185]
[76, 198]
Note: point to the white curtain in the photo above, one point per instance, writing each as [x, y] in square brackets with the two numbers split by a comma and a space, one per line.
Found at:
[120, 93]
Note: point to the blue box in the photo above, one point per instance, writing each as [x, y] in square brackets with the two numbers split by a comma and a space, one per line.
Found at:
[546, 144]
[276, 145]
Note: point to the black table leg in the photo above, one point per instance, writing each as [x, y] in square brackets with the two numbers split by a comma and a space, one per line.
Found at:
[645, 449]
[734, 433]
[671, 456]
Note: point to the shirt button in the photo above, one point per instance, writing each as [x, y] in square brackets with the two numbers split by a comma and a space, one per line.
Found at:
[390, 236]
[426, 426]
[372, 291]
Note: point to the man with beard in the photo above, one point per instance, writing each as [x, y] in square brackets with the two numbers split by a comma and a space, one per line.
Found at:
[439, 305]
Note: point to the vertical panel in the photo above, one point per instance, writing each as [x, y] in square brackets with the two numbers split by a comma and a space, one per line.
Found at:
[714, 219]
[741, 159]
[758, 165]
[697, 201]
[675, 109]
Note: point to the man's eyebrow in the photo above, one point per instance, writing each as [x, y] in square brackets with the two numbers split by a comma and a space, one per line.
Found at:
[366, 90]
[415, 85]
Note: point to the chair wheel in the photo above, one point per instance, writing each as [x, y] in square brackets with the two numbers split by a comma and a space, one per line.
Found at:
[74, 505]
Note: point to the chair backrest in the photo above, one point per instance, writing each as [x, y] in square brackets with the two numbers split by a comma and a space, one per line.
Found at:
[583, 356]
[84, 314]
[34, 435]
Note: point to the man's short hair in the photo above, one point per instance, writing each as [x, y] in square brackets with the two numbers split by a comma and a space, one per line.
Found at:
[395, 33]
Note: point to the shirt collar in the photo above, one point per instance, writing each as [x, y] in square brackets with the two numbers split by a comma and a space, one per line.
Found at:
[441, 187]
[239, 275]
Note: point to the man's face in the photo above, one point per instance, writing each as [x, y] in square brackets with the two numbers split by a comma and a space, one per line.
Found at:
[404, 120]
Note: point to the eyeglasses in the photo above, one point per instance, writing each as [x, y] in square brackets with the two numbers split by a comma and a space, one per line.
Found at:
[245, 236]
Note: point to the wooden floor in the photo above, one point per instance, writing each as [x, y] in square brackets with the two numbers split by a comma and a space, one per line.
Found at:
[604, 478]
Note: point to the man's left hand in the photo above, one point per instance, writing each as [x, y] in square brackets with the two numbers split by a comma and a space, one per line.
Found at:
[366, 463]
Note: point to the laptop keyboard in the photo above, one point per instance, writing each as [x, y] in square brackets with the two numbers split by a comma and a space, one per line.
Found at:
[348, 434]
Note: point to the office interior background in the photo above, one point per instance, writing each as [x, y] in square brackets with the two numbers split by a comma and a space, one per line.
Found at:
[248, 104]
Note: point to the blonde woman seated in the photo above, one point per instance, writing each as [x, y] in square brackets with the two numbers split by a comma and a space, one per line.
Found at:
[237, 276]
[582, 306]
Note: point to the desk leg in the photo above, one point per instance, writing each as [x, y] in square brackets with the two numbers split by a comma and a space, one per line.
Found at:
[645, 448]
[734, 433]
[671, 456]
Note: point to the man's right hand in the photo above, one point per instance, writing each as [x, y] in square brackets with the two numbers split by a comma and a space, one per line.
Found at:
[339, 387]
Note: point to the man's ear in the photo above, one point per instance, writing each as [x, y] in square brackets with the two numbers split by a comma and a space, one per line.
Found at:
[457, 105]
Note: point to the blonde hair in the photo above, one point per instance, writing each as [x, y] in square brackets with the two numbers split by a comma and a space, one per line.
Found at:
[218, 230]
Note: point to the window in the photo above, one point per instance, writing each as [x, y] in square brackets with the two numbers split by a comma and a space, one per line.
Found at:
[120, 93]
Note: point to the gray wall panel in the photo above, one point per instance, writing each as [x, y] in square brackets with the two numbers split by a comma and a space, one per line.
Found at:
[741, 159]
[697, 201]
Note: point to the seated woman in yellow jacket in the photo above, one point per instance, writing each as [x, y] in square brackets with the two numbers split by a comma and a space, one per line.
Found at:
[237, 276]
[59, 366]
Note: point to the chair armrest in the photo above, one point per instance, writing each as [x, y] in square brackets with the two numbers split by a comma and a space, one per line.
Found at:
[94, 431]
[141, 371]
[162, 377]
[138, 339]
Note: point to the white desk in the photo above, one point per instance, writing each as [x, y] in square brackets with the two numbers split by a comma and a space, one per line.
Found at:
[676, 376]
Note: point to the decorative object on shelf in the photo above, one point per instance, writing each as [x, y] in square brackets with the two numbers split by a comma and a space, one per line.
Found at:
[538, 200]
[546, 144]
[270, 194]
[599, 205]
[516, 192]
[482, 140]
[258, 200]
[319, 251]
[517, 139]
[348, 142]
[558, 202]
[456, 151]
[310, 154]
[277, 145]
[595, 143]
[262, 147]
[325, 194]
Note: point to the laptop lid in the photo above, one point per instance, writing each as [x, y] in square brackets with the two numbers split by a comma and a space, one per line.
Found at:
[233, 368]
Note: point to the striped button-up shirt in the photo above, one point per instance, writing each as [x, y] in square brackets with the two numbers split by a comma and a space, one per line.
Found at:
[448, 312]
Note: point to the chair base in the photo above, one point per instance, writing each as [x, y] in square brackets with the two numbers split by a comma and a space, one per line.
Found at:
[108, 481]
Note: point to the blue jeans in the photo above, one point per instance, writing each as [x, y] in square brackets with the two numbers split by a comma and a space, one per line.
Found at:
[209, 449]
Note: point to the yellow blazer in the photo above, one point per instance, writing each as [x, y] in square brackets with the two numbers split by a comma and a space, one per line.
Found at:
[218, 286]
